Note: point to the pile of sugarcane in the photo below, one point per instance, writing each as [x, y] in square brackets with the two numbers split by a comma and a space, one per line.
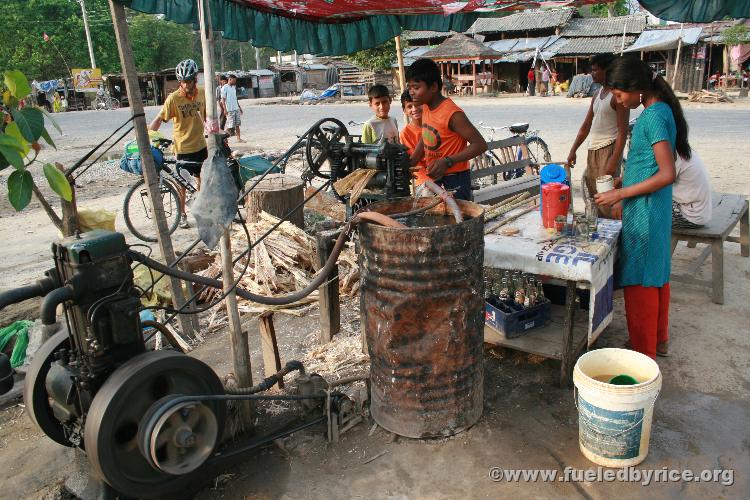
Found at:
[522, 200]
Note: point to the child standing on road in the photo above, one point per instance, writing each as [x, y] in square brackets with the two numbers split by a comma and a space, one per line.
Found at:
[412, 133]
[645, 200]
[381, 127]
[445, 131]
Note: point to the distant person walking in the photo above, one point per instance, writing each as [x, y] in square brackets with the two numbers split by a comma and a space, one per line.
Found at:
[232, 107]
[544, 87]
[223, 80]
[530, 87]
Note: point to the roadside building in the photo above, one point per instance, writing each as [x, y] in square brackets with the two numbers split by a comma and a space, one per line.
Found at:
[466, 62]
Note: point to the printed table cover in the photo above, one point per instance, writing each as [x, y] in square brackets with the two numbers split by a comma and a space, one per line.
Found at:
[534, 250]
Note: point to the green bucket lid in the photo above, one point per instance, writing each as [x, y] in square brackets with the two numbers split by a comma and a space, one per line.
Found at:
[623, 380]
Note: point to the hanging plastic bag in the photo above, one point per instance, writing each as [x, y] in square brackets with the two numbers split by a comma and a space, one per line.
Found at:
[215, 204]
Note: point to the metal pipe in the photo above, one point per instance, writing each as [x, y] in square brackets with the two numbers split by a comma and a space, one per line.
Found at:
[48, 310]
[20, 294]
[318, 280]
[268, 382]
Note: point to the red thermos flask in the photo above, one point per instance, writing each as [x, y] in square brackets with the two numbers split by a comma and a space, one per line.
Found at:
[555, 201]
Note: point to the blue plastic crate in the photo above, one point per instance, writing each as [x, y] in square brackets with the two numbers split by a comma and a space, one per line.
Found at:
[517, 323]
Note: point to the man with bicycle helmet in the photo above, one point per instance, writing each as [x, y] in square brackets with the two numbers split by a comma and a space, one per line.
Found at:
[186, 107]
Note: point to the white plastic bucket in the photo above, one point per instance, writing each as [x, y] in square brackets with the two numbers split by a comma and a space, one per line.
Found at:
[614, 421]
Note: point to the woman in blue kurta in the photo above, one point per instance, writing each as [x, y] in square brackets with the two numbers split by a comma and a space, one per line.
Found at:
[645, 200]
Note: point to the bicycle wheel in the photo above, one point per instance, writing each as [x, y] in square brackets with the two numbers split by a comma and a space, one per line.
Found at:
[538, 150]
[114, 103]
[139, 214]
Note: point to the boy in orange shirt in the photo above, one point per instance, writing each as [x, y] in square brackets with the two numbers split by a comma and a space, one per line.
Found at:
[445, 131]
[412, 133]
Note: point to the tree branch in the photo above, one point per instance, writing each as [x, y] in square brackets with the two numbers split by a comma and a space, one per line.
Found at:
[56, 220]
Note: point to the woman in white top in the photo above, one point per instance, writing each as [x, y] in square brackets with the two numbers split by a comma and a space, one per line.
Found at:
[691, 193]
[606, 126]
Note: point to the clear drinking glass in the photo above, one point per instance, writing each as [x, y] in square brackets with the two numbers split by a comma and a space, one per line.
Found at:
[591, 216]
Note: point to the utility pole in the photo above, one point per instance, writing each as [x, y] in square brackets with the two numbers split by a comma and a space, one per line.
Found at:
[257, 58]
[88, 32]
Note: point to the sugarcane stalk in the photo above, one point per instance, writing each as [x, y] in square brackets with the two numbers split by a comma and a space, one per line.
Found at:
[506, 208]
[495, 225]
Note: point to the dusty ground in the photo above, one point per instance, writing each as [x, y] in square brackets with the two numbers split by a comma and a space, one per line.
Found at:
[702, 418]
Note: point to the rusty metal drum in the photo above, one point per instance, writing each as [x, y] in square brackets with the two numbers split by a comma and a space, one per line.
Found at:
[423, 317]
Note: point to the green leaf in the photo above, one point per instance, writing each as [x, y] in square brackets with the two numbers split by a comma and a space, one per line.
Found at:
[20, 183]
[52, 120]
[11, 142]
[47, 138]
[13, 131]
[30, 121]
[3, 163]
[11, 150]
[58, 182]
[17, 84]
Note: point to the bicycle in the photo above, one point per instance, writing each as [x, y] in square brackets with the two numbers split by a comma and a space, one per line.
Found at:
[137, 209]
[106, 101]
[538, 150]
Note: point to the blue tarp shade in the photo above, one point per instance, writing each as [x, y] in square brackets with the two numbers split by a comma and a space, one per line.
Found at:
[697, 11]
[664, 39]
[265, 29]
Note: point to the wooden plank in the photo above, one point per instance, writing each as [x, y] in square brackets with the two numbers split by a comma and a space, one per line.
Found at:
[690, 280]
[727, 211]
[328, 293]
[498, 192]
[132, 86]
[269, 346]
[566, 365]
[498, 168]
[505, 143]
[546, 341]
[717, 272]
[697, 263]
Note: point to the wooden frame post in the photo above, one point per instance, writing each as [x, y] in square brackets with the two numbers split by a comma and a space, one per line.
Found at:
[135, 100]
[269, 346]
[400, 58]
[238, 338]
[328, 293]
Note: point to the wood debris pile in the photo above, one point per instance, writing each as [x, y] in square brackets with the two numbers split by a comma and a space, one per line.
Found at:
[283, 263]
[709, 97]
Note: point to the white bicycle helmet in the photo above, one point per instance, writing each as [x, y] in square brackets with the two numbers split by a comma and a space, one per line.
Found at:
[186, 70]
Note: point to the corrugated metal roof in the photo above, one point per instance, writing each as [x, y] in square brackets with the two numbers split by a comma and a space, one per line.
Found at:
[605, 26]
[665, 39]
[524, 49]
[411, 54]
[528, 20]
[585, 46]
[314, 66]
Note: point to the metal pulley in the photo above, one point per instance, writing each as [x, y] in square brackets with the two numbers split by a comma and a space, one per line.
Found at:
[177, 439]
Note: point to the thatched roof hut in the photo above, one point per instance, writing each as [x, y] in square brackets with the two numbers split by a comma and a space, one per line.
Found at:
[461, 47]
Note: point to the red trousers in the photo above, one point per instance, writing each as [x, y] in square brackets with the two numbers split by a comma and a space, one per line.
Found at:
[647, 311]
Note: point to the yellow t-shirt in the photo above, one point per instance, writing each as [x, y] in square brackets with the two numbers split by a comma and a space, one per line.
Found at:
[188, 120]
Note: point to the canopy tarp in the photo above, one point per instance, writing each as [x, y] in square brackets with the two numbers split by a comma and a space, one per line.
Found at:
[331, 27]
[697, 11]
[664, 39]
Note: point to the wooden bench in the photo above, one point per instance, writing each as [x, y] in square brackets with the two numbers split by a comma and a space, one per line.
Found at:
[728, 210]
[504, 160]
